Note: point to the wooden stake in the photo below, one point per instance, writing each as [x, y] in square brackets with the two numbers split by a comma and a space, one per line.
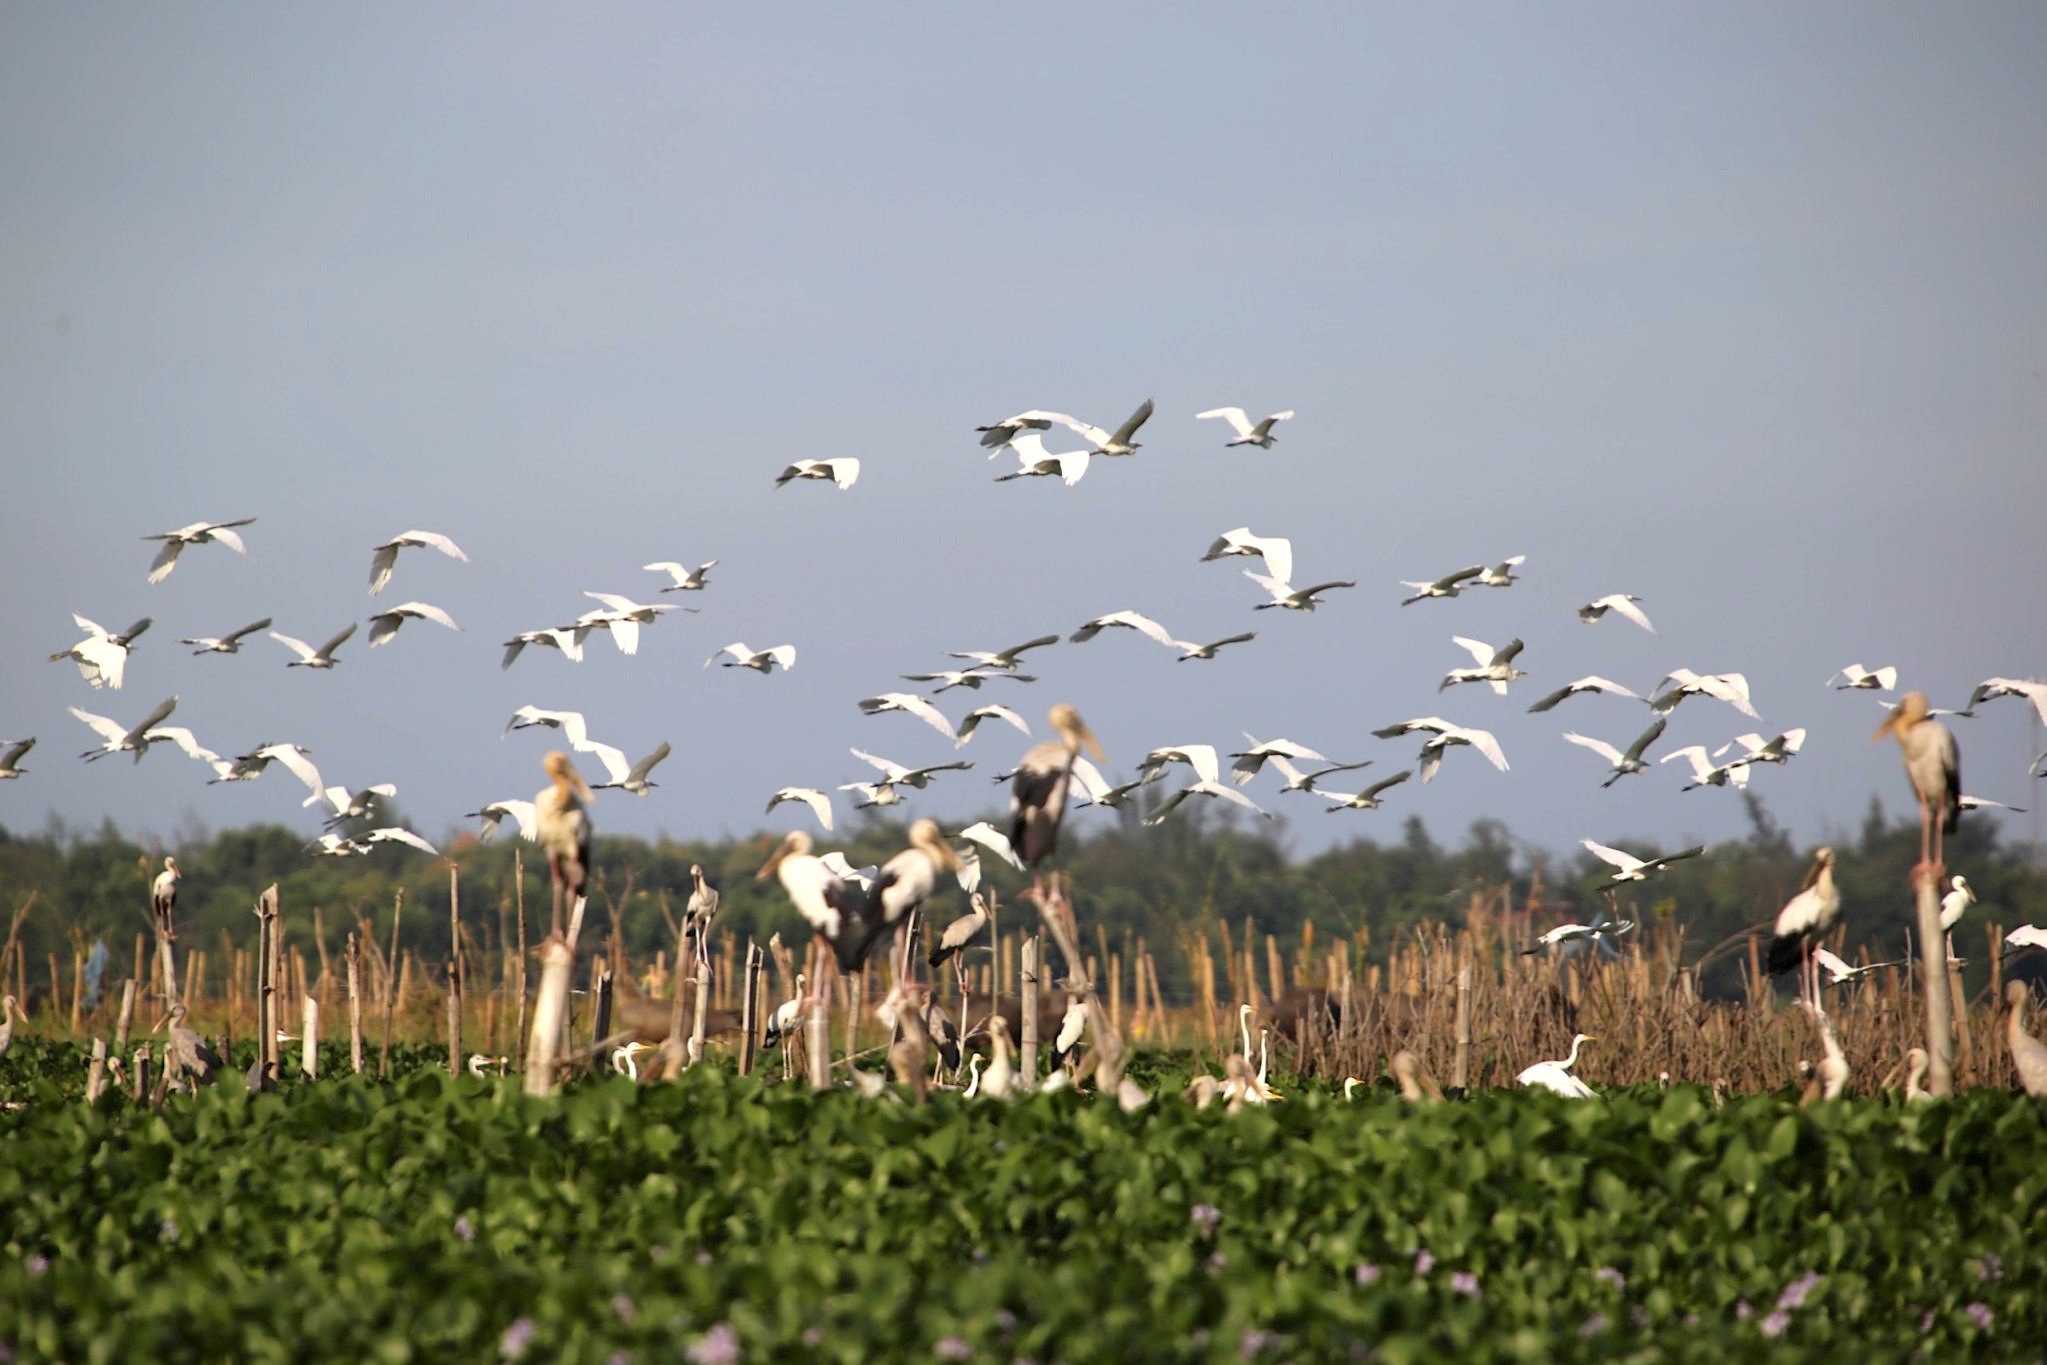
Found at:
[127, 1019]
[454, 970]
[1460, 1070]
[309, 1037]
[1027, 1031]
[96, 1076]
[391, 987]
[550, 1015]
[1940, 1038]
[749, 1012]
[354, 1003]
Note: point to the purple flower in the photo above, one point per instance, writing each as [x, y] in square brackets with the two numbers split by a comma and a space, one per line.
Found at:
[38, 1263]
[1216, 1262]
[703, 1258]
[1795, 1293]
[168, 1230]
[1774, 1325]
[464, 1229]
[1638, 1316]
[1742, 1310]
[1926, 1323]
[1611, 1276]
[719, 1346]
[953, 1348]
[813, 1336]
[622, 1306]
[1981, 1314]
[1255, 1342]
[513, 1343]
[1424, 1261]
[1991, 1267]
[1366, 1273]
[1205, 1217]
[1592, 1326]
[1464, 1282]
[1005, 1319]
[6, 1353]
[619, 1358]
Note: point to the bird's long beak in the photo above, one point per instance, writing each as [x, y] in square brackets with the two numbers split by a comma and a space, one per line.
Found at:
[768, 867]
[948, 855]
[158, 1027]
[1891, 722]
[1093, 745]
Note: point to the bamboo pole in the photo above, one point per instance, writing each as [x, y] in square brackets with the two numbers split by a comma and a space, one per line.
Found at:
[127, 1017]
[817, 1037]
[96, 1076]
[391, 987]
[271, 908]
[1940, 1038]
[519, 917]
[749, 1011]
[354, 1003]
[550, 1013]
[309, 1037]
[1027, 1030]
[1460, 1071]
[77, 987]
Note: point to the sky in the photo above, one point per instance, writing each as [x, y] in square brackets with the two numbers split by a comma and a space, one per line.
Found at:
[1741, 308]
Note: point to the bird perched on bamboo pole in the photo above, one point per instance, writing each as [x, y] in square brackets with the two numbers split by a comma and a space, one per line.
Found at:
[185, 1052]
[1805, 920]
[562, 820]
[1933, 764]
[1037, 800]
[902, 884]
[163, 899]
[702, 908]
[962, 931]
[2028, 1054]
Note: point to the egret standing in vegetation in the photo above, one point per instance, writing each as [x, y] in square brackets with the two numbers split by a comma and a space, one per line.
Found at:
[1952, 907]
[1557, 1077]
[562, 820]
[1933, 764]
[1805, 920]
[1037, 799]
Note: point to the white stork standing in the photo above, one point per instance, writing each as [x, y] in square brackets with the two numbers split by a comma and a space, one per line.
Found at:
[962, 931]
[1556, 1076]
[163, 898]
[384, 558]
[1953, 906]
[1806, 919]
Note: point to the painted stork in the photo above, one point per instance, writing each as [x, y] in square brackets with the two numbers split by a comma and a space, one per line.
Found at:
[1933, 764]
[561, 816]
[1037, 799]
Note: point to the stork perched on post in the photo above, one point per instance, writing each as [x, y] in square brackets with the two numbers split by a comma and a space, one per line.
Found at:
[163, 899]
[1037, 798]
[561, 817]
[1933, 764]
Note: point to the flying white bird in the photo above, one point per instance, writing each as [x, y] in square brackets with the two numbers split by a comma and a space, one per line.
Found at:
[1495, 666]
[230, 643]
[1591, 682]
[1449, 585]
[1569, 933]
[972, 721]
[119, 739]
[10, 760]
[744, 655]
[1979, 802]
[494, 814]
[1190, 650]
[2027, 936]
[308, 657]
[385, 624]
[2034, 692]
[911, 704]
[1276, 551]
[102, 656]
[395, 835]
[1368, 799]
[339, 846]
[1253, 757]
[841, 472]
[384, 558]
[1002, 658]
[252, 765]
[623, 617]
[820, 804]
[998, 434]
[351, 805]
[1444, 734]
[1094, 789]
[561, 638]
[186, 740]
[1298, 781]
[952, 677]
[570, 723]
[198, 533]
[1839, 973]
[1621, 604]
[626, 778]
[1706, 773]
[686, 579]
[873, 794]
[1731, 688]
[1760, 750]
[1118, 442]
[1286, 595]
[1623, 763]
[1501, 575]
[1200, 757]
[992, 839]
[1248, 433]
[1556, 1076]
[1034, 461]
[1856, 676]
[1632, 869]
[896, 775]
[1143, 625]
[1206, 787]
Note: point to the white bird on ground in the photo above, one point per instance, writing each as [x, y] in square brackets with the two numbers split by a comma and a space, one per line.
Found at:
[1190, 650]
[1276, 551]
[1856, 676]
[1006, 659]
[1444, 734]
[1286, 595]
[1622, 763]
[1298, 781]
[384, 558]
[296, 757]
[497, 812]
[1035, 461]
[627, 778]
[385, 623]
[570, 723]
[743, 655]
[909, 703]
[1620, 604]
[1731, 688]
[820, 804]
[1501, 575]
[1118, 442]
[1557, 1077]
[1249, 433]
[1759, 750]
[841, 472]
[995, 711]
[998, 434]
[1253, 757]
[1570, 933]
[102, 656]
[1449, 585]
[1368, 799]
[1629, 868]
[359, 804]
[1989, 688]
[567, 640]
[198, 533]
[1130, 620]
[1839, 973]
[685, 578]
[1205, 787]
[1495, 666]
[1200, 757]
[964, 677]
[1705, 772]
[230, 643]
[120, 739]
[1953, 906]
[896, 775]
[308, 657]
[1591, 682]
[1806, 919]
[10, 760]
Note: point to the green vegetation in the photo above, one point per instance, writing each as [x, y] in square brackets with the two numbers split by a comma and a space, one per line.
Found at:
[439, 1220]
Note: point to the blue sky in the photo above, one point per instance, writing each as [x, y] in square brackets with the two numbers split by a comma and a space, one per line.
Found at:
[1740, 309]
